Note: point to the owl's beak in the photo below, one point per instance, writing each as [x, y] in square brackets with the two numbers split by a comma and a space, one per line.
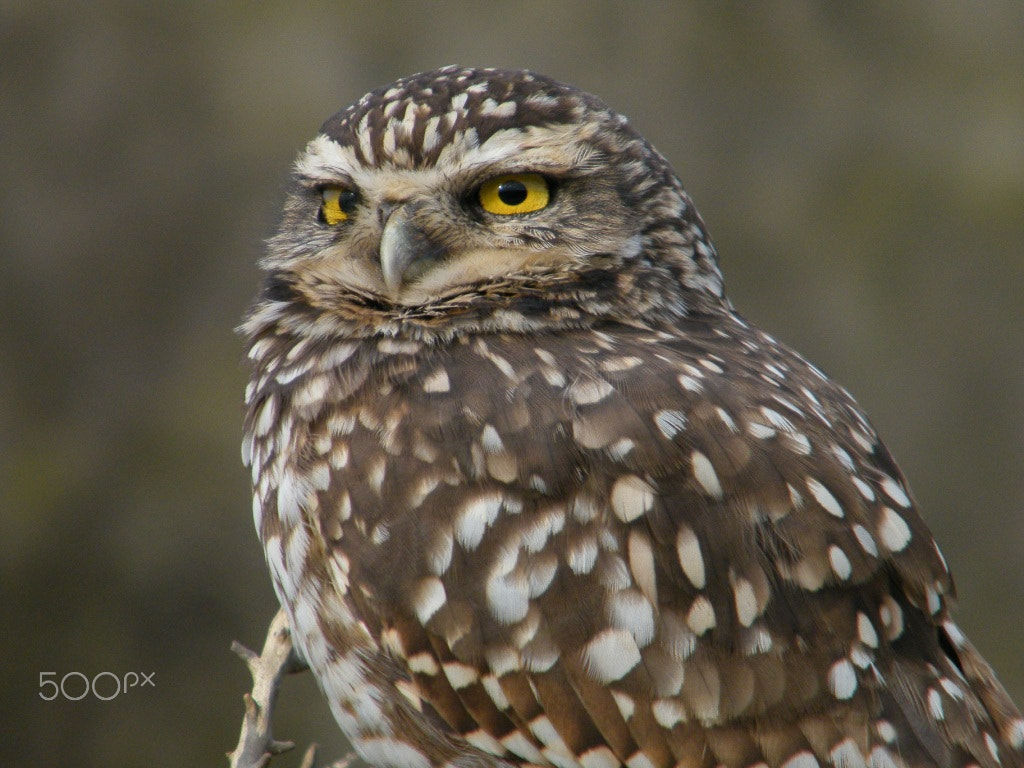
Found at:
[406, 252]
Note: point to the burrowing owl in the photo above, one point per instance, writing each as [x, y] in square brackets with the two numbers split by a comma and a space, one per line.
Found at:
[532, 492]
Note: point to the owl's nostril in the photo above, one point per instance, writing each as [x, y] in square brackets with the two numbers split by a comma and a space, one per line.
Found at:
[386, 208]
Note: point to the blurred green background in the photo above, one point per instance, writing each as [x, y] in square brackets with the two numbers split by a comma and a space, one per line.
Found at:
[860, 166]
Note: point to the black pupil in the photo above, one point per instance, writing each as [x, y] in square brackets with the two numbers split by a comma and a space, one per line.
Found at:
[347, 201]
[512, 192]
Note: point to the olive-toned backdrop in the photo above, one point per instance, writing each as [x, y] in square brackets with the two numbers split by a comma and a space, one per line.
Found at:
[860, 166]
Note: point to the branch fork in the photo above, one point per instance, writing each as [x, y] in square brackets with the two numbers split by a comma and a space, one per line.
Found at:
[256, 743]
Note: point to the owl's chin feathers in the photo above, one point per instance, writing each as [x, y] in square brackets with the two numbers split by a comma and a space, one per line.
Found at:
[515, 290]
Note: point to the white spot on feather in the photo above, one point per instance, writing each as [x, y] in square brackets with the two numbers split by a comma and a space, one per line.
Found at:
[260, 348]
[670, 423]
[556, 752]
[689, 383]
[843, 456]
[705, 474]
[494, 691]
[956, 636]
[631, 497]
[746, 602]
[423, 664]
[620, 449]
[509, 599]
[777, 420]
[519, 745]
[993, 748]
[757, 640]
[474, 517]
[385, 751]
[893, 530]
[1015, 732]
[391, 346]
[502, 659]
[589, 391]
[427, 598]
[459, 675]
[257, 512]
[886, 730]
[881, 757]
[289, 494]
[952, 689]
[320, 476]
[760, 431]
[895, 492]
[630, 610]
[503, 365]
[483, 741]
[491, 440]
[865, 490]
[582, 554]
[891, 615]
[611, 655]
[437, 381]
[376, 471]
[281, 575]
[802, 759]
[728, 420]
[439, 556]
[840, 562]
[546, 356]
[846, 754]
[690, 558]
[866, 631]
[625, 704]
[541, 575]
[639, 760]
[624, 363]
[266, 416]
[825, 498]
[668, 712]
[312, 392]
[865, 539]
[701, 616]
[599, 757]
[799, 443]
[641, 564]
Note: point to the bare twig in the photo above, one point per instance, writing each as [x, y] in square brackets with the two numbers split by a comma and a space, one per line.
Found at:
[256, 744]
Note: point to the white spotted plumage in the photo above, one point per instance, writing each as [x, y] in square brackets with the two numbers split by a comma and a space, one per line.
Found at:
[531, 491]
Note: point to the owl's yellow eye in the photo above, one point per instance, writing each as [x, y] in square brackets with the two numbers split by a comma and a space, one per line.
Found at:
[515, 193]
[337, 204]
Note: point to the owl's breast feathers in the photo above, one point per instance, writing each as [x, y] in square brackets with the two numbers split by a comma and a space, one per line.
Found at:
[652, 547]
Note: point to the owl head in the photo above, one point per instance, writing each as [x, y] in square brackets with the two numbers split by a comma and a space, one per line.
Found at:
[455, 196]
